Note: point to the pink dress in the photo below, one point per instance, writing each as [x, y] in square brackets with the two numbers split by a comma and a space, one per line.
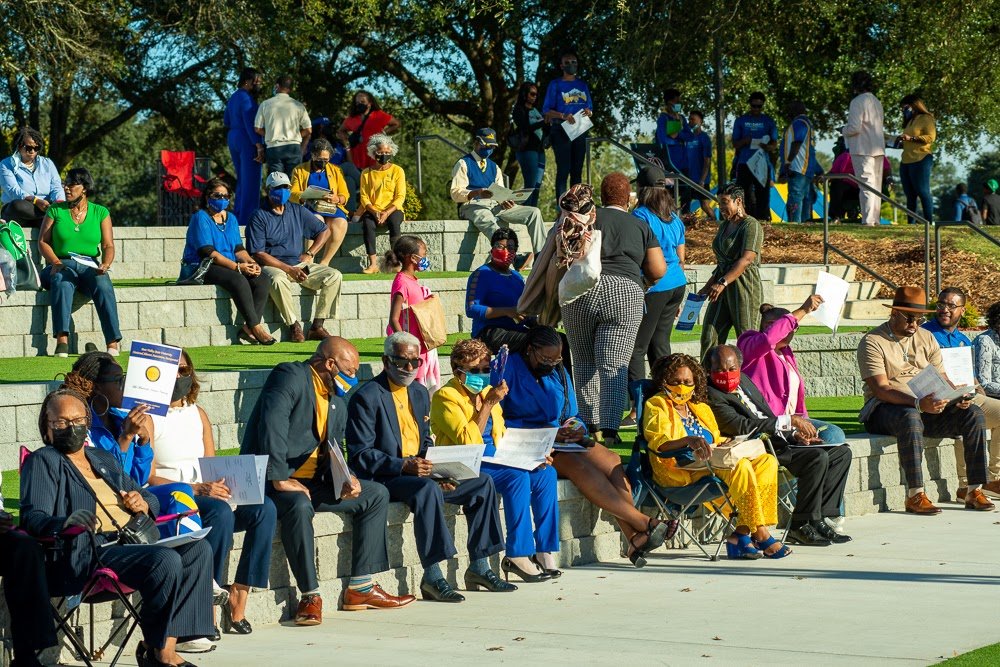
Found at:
[429, 373]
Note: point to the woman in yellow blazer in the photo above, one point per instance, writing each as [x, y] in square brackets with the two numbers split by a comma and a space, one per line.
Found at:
[321, 173]
[919, 134]
[466, 411]
[678, 417]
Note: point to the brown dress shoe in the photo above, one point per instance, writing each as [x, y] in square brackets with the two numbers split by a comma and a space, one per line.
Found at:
[297, 336]
[960, 493]
[376, 598]
[318, 333]
[992, 489]
[310, 611]
[921, 504]
[977, 500]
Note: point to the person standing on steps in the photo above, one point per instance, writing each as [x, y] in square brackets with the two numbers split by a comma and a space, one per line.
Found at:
[246, 147]
[865, 137]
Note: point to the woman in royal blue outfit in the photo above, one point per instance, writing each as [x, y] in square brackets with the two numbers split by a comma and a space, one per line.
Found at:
[246, 147]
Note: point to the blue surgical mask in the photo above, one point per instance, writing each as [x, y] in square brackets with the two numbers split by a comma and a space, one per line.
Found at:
[343, 383]
[218, 204]
[280, 196]
[485, 152]
[696, 127]
[476, 382]
[424, 264]
[676, 108]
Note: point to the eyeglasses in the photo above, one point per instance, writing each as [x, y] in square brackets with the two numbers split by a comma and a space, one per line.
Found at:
[546, 361]
[320, 161]
[183, 371]
[378, 155]
[67, 184]
[30, 149]
[948, 306]
[64, 423]
[114, 379]
[405, 362]
[481, 369]
[756, 106]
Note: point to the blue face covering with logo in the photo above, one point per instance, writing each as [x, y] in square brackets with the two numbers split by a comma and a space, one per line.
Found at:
[476, 382]
[280, 196]
[424, 264]
[485, 152]
[344, 383]
[218, 204]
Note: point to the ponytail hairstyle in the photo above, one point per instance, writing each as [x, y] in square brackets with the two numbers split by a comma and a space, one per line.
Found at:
[403, 246]
[770, 314]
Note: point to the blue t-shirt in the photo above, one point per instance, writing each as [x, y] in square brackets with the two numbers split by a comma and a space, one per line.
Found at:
[676, 146]
[669, 235]
[531, 402]
[753, 127]
[567, 97]
[699, 153]
[488, 288]
[281, 236]
[202, 231]
[946, 338]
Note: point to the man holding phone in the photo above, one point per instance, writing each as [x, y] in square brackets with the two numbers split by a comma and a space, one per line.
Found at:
[891, 355]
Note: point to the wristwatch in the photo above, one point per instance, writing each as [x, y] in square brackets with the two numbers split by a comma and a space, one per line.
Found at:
[721, 280]
[311, 254]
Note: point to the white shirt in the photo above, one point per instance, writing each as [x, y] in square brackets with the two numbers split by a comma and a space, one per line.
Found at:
[178, 443]
[282, 118]
[864, 133]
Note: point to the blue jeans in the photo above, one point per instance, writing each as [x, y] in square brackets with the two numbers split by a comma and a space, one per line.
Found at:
[798, 186]
[63, 284]
[525, 495]
[259, 522]
[916, 177]
[283, 158]
[569, 158]
[532, 168]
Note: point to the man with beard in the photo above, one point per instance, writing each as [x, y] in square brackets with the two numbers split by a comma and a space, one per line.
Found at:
[245, 146]
[306, 398]
[889, 357]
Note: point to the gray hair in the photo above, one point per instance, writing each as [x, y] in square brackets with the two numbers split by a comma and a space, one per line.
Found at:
[397, 339]
[381, 139]
[321, 145]
[714, 355]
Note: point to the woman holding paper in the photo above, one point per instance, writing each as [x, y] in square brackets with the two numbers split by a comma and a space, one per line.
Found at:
[178, 441]
[467, 411]
[567, 100]
[678, 417]
[320, 172]
[78, 246]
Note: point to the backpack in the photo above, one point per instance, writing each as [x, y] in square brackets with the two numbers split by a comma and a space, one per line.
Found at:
[971, 213]
[12, 239]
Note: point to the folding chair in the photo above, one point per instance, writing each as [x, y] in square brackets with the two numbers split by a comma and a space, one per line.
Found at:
[680, 502]
[182, 178]
[788, 488]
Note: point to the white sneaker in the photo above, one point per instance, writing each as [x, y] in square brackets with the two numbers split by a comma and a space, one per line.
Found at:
[201, 645]
[836, 523]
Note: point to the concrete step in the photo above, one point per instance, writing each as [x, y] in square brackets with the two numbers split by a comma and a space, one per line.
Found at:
[871, 309]
[781, 274]
[795, 293]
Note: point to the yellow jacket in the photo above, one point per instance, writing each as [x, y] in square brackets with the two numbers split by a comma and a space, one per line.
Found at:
[382, 188]
[661, 424]
[452, 417]
[300, 181]
[923, 131]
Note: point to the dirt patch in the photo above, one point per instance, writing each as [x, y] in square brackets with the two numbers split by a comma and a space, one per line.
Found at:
[901, 261]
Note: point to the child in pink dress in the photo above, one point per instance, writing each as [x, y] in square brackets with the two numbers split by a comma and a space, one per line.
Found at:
[410, 253]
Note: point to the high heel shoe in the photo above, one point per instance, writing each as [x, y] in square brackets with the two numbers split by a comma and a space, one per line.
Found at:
[508, 566]
[659, 533]
[638, 554]
[767, 544]
[553, 574]
[490, 581]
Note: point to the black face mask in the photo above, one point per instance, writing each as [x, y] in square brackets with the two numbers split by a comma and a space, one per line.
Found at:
[360, 108]
[319, 164]
[69, 440]
[74, 202]
[542, 370]
[182, 387]
[383, 158]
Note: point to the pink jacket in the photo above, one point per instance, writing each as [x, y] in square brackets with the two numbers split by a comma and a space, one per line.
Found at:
[763, 366]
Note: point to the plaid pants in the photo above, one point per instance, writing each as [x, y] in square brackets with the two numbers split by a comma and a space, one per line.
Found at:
[910, 426]
[601, 326]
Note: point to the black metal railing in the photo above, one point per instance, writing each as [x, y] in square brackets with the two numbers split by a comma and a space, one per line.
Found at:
[938, 226]
[639, 157]
[420, 163]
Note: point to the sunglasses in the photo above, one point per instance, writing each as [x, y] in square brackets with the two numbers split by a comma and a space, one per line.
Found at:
[73, 184]
[912, 319]
[481, 369]
[405, 362]
[222, 194]
[183, 371]
[30, 149]
[756, 106]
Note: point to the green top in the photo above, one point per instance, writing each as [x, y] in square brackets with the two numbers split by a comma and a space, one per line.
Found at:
[730, 244]
[68, 236]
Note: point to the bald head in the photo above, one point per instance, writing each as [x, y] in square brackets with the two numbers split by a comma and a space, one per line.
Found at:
[334, 355]
[333, 347]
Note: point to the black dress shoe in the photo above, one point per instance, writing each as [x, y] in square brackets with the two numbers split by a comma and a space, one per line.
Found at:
[490, 581]
[829, 533]
[553, 574]
[807, 536]
[440, 590]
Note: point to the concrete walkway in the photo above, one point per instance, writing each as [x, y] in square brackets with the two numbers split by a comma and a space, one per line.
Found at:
[902, 592]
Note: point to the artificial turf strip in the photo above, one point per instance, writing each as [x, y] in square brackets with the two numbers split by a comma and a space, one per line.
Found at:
[987, 655]
[348, 277]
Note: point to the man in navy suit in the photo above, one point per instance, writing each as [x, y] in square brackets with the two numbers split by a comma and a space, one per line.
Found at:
[388, 433]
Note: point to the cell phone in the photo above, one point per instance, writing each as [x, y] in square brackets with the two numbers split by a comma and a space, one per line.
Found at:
[305, 269]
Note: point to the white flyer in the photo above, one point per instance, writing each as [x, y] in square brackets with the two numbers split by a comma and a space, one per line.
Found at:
[524, 448]
[957, 362]
[689, 315]
[834, 290]
[929, 381]
[243, 474]
[152, 372]
[581, 124]
[340, 474]
[456, 462]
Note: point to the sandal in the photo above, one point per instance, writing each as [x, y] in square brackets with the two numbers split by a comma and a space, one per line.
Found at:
[637, 555]
[659, 533]
[742, 549]
[768, 543]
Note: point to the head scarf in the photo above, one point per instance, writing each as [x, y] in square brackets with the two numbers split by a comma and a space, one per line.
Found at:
[577, 215]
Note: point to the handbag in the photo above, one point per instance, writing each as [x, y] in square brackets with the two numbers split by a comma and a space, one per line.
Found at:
[727, 455]
[583, 274]
[198, 276]
[13, 240]
[430, 318]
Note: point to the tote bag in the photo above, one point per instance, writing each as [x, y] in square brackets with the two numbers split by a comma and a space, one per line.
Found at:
[583, 274]
[430, 317]
[727, 455]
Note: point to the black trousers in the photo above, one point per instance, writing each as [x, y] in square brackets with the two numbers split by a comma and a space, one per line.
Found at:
[758, 197]
[249, 293]
[175, 585]
[368, 513]
[426, 500]
[516, 340]
[653, 339]
[369, 229]
[821, 474]
[22, 566]
[24, 212]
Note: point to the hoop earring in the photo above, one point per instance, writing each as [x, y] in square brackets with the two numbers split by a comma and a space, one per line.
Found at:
[107, 405]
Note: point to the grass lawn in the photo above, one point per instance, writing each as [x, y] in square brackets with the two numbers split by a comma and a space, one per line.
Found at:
[159, 282]
[987, 655]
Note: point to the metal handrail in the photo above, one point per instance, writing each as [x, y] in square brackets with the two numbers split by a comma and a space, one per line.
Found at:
[678, 178]
[938, 226]
[420, 165]
[827, 246]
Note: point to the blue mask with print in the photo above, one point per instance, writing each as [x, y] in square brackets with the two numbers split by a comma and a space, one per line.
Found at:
[485, 152]
[218, 204]
[424, 264]
[280, 196]
[344, 383]
[907, 115]
[476, 382]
